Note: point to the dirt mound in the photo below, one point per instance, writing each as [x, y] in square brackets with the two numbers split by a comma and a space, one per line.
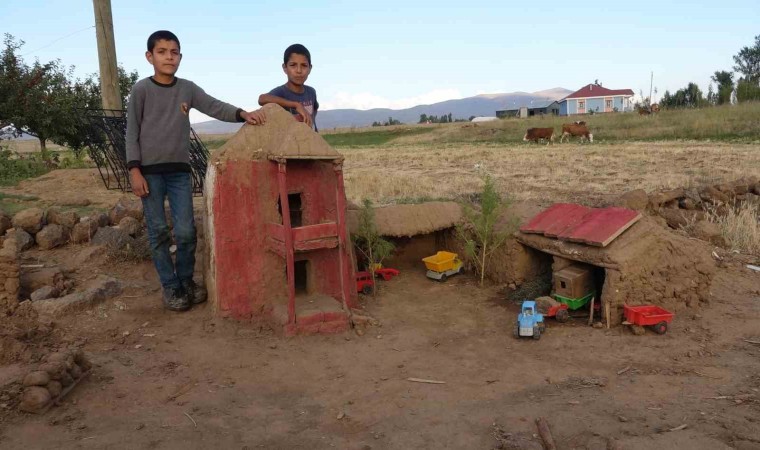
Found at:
[69, 187]
[411, 220]
[280, 136]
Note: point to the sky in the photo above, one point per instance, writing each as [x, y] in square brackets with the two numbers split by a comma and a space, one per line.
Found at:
[398, 54]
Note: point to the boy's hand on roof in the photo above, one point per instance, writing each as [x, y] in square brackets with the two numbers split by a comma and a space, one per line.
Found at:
[139, 185]
[306, 116]
[256, 117]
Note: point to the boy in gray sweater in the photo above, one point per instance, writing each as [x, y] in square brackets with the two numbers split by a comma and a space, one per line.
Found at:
[158, 158]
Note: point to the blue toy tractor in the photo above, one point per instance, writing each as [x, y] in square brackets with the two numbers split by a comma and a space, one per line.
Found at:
[529, 322]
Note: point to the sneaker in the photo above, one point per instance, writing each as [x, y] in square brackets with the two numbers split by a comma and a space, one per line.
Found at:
[195, 294]
[175, 299]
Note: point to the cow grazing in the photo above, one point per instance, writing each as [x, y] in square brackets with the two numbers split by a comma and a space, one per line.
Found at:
[579, 122]
[572, 129]
[534, 134]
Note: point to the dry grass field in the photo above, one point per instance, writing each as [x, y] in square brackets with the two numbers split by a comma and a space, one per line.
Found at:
[586, 173]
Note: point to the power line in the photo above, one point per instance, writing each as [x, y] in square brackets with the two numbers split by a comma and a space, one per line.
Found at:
[59, 39]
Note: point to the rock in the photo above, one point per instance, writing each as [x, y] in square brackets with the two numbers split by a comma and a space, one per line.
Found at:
[75, 371]
[101, 289]
[113, 238]
[708, 231]
[84, 231]
[44, 293]
[740, 189]
[101, 219]
[636, 199]
[35, 399]
[54, 369]
[638, 330]
[37, 378]
[24, 240]
[30, 220]
[55, 388]
[36, 278]
[65, 219]
[687, 203]
[6, 223]
[678, 218]
[88, 254]
[126, 206]
[712, 195]
[66, 380]
[131, 225]
[74, 201]
[598, 325]
[51, 236]
[659, 198]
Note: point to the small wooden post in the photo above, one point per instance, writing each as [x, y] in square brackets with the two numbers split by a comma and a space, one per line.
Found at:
[591, 312]
[545, 433]
[607, 313]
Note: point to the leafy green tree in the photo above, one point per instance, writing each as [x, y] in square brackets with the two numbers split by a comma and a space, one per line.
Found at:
[480, 232]
[423, 118]
[747, 90]
[748, 61]
[368, 241]
[725, 82]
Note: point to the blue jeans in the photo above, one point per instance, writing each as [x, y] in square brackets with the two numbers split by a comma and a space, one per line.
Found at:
[178, 187]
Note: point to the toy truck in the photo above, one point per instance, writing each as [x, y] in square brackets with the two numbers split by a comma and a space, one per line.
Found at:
[442, 265]
[529, 322]
[364, 283]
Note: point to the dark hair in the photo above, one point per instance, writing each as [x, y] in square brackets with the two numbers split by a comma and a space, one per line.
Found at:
[161, 35]
[298, 49]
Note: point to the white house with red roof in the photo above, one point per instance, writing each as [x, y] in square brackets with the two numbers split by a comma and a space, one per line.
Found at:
[597, 99]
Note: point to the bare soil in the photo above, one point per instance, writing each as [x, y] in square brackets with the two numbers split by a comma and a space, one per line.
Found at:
[190, 381]
[187, 380]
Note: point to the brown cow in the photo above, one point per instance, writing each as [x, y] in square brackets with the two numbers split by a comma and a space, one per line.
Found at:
[571, 129]
[534, 134]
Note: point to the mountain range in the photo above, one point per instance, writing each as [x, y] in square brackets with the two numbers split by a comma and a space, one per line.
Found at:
[463, 108]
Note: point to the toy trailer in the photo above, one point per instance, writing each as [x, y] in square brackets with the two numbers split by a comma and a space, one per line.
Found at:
[573, 286]
[443, 265]
[648, 316]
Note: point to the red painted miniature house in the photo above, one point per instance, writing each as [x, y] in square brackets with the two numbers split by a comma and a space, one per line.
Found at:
[278, 249]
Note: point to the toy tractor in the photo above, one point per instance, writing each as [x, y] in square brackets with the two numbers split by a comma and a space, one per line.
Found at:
[529, 322]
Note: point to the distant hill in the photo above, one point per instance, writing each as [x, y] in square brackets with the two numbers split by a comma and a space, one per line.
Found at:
[480, 105]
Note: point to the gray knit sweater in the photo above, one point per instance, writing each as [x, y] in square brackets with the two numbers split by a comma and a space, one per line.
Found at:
[158, 123]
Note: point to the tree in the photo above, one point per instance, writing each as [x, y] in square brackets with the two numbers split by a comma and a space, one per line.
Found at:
[480, 232]
[747, 90]
[725, 82]
[43, 99]
[748, 61]
[423, 118]
[450, 121]
[369, 242]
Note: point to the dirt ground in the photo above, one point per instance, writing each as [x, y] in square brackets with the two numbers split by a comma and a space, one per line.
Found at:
[166, 380]
[190, 381]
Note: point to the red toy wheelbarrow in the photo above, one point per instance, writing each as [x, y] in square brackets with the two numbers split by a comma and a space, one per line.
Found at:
[648, 316]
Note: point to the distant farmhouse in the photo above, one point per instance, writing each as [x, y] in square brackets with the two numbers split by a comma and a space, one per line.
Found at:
[594, 98]
[535, 109]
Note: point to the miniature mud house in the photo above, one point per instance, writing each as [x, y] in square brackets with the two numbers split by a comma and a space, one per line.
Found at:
[416, 230]
[636, 261]
[277, 242]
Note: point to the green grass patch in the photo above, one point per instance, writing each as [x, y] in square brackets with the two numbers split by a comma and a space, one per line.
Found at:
[14, 169]
[13, 203]
[372, 137]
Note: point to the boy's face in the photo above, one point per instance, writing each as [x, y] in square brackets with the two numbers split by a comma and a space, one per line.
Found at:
[297, 69]
[165, 57]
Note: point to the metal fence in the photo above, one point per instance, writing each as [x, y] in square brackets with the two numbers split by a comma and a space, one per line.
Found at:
[106, 142]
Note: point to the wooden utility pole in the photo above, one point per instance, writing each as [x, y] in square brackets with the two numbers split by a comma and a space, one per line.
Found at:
[109, 75]
[651, 82]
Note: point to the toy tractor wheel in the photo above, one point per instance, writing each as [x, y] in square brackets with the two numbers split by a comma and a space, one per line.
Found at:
[367, 289]
[461, 270]
[562, 316]
[517, 330]
[536, 332]
[661, 328]
[444, 277]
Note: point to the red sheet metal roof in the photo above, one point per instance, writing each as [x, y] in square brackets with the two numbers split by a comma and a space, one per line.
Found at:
[576, 223]
[594, 90]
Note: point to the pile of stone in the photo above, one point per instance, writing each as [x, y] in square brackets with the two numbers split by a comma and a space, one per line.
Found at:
[9, 272]
[53, 379]
[688, 208]
[53, 227]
